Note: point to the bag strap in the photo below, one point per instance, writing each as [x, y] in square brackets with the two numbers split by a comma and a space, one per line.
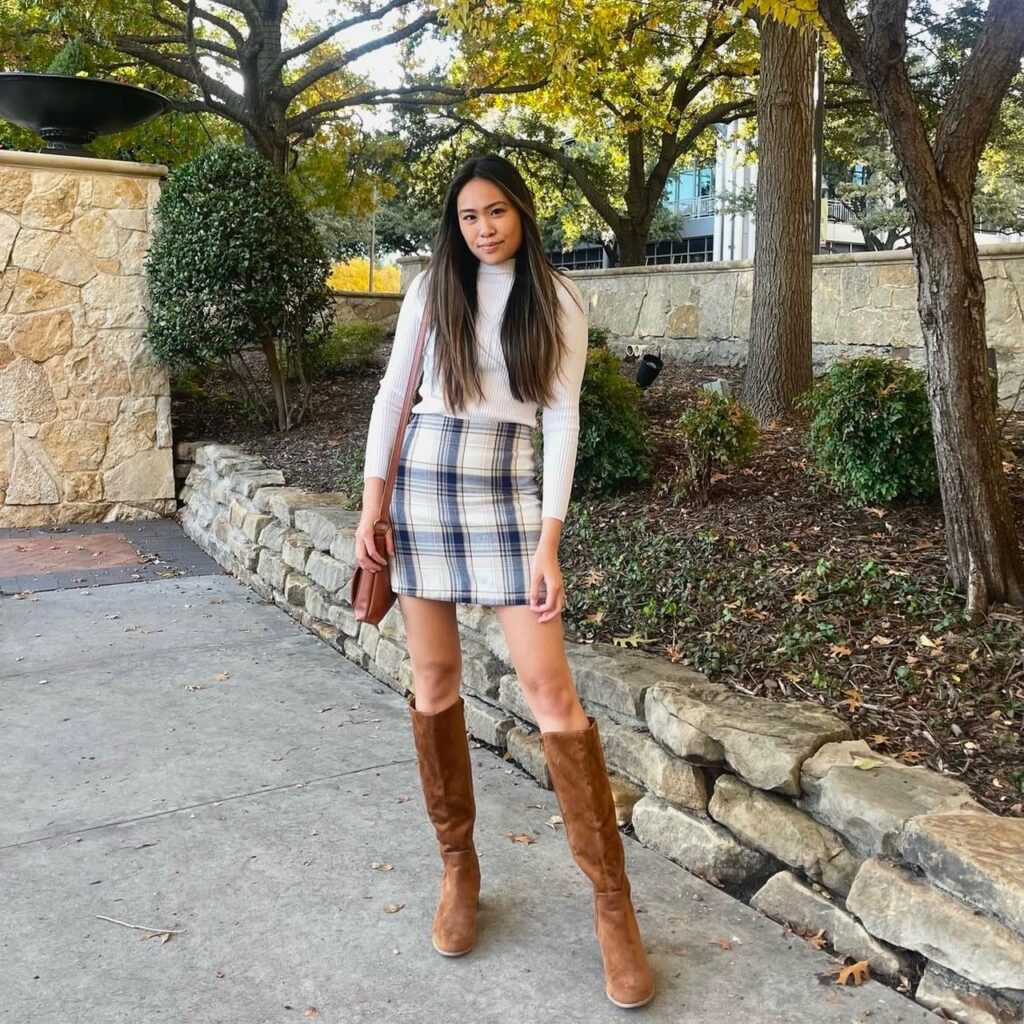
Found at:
[403, 419]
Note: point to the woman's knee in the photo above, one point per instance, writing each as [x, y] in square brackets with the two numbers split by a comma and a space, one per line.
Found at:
[553, 694]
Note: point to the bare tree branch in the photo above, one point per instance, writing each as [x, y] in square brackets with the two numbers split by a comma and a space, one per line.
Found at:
[971, 110]
[222, 23]
[329, 33]
[331, 66]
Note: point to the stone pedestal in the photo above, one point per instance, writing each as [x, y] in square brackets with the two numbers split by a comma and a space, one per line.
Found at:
[85, 410]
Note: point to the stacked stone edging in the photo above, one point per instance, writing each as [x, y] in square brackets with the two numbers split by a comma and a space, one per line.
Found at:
[776, 802]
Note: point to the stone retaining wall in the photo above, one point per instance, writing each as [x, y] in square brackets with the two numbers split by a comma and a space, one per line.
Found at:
[862, 303]
[775, 802]
[380, 307]
[85, 410]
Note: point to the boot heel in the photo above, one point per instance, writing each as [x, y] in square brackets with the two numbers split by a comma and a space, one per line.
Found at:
[580, 779]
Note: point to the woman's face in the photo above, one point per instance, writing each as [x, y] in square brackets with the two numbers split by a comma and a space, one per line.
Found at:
[490, 223]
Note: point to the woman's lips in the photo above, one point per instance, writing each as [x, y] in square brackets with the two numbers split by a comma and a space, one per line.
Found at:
[488, 248]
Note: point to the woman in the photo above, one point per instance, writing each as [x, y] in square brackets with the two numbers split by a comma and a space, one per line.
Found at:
[507, 334]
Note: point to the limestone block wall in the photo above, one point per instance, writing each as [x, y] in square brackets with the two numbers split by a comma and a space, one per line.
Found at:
[85, 410]
[884, 862]
[379, 307]
[863, 303]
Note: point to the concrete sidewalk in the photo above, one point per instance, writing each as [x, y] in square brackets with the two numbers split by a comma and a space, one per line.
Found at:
[179, 755]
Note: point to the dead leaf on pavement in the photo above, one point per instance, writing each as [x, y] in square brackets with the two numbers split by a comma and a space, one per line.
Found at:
[377, 865]
[221, 676]
[858, 972]
[393, 908]
[521, 837]
[554, 821]
[724, 943]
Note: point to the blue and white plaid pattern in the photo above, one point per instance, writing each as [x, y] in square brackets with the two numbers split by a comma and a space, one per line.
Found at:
[465, 511]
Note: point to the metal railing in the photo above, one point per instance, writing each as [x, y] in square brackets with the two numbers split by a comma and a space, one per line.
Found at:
[838, 211]
[700, 206]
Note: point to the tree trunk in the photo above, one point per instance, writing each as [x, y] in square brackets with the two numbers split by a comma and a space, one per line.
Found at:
[632, 244]
[779, 356]
[985, 560]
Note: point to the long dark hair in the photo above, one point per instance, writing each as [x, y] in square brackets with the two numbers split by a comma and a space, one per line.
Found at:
[532, 339]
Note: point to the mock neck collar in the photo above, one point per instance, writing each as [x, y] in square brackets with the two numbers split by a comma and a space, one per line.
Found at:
[506, 268]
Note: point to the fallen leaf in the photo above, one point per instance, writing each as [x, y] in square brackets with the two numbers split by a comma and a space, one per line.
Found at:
[377, 865]
[221, 676]
[859, 972]
[554, 821]
[803, 597]
[521, 837]
[853, 698]
[881, 641]
[311, 1011]
[724, 943]
[393, 908]
[866, 762]
[194, 686]
[839, 650]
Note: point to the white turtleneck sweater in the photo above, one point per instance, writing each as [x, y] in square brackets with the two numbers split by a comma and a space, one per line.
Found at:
[559, 419]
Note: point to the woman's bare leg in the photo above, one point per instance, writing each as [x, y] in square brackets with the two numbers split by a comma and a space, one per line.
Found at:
[538, 656]
[432, 633]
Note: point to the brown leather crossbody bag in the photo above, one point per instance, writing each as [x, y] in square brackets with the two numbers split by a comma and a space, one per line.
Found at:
[370, 592]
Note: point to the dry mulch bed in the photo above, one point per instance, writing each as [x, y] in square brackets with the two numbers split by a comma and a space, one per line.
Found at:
[780, 589]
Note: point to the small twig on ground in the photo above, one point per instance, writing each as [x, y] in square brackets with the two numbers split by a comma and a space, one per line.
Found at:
[142, 927]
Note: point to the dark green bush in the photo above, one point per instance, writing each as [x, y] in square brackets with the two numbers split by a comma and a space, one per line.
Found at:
[871, 431]
[350, 346]
[597, 337]
[73, 58]
[718, 434]
[613, 451]
[236, 264]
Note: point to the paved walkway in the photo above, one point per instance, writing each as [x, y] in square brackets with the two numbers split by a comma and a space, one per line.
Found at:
[179, 755]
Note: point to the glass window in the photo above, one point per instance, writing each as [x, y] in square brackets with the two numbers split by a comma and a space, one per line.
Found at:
[680, 250]
[589, 257]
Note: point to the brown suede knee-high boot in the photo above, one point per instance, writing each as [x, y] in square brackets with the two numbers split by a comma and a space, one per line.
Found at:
[580, 779]
[442, 749]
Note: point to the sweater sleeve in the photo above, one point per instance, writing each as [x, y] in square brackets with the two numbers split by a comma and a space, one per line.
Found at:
[560, 420]
[387, 405]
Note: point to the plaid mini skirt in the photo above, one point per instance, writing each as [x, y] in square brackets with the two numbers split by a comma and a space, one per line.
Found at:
[465, 511]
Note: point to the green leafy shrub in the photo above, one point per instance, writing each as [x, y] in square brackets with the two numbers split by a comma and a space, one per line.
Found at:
[235, 265]
[597, 337]
[612, 451]
[348, 347]
[718, 434]
[73, 59]
[871, 430]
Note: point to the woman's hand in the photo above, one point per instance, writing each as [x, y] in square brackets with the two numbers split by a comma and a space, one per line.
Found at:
[544, 569]
[367, 554]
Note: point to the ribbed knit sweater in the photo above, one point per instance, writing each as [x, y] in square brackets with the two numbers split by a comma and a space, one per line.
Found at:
[559, 419]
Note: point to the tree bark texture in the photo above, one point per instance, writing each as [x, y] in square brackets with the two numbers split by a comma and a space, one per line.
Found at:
[779, 354]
